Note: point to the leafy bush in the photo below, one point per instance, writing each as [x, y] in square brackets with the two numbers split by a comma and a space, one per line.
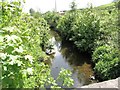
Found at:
[86, 31]
[52, 18]
[65, 24]
[102, 53]
[108, 27]
[106, 55]
[107, 62]
[80, 27]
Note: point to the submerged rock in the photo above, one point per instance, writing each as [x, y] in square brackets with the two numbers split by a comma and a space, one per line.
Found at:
[49, 52]
[92, 77]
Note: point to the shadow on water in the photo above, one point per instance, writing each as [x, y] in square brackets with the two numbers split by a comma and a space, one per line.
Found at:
[72, 54]
[68, 57]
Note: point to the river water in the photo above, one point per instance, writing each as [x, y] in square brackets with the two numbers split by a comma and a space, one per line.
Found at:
[67, 56]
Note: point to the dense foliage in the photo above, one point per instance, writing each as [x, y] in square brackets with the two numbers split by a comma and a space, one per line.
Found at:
[22, 38]
[81, 27]
[107, 62]
[52, 18]
[95, 30]
[106, 55]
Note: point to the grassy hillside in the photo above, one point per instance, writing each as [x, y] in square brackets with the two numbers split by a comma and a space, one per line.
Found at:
[107, 6]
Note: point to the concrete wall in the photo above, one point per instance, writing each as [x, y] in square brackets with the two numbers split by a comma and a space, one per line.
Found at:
[115, 83]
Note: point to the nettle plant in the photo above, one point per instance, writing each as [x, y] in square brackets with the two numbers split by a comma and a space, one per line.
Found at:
[21, 39]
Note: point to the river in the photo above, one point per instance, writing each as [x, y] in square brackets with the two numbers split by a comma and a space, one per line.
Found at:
[68, 57]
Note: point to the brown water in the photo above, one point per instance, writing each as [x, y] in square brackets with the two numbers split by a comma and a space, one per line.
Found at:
[68, 57]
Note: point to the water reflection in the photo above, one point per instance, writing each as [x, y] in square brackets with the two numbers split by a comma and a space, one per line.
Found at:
[68, 57]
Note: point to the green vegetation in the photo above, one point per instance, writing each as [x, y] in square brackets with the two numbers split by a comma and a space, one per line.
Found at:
[22, 40]
[80, 27]
[95, 30]
[107, 63]
[52, 18]
[107, 6]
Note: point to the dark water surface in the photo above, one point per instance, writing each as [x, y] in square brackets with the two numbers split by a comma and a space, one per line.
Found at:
[67, 57]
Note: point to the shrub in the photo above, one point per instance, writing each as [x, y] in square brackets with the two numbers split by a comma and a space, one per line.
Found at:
[81, 27]
[52, 18]
[107, 62]
[86, 31]
[66, 23]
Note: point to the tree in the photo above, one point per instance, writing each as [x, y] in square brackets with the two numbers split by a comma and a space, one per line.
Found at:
[34, 13]
[31, 11]
[73, 5]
